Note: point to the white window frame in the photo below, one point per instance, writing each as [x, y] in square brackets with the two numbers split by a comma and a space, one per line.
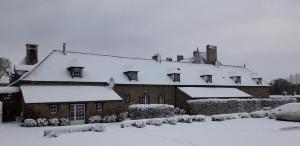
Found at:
[99, 106]
[144, 99]
[53, 109]
[77, 72]
[161, 100]
[207, 78]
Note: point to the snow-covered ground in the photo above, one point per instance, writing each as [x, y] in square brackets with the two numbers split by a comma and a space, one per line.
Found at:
[238, 132]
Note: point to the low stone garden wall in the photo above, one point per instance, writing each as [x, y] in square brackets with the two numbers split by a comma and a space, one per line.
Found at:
[226, 106]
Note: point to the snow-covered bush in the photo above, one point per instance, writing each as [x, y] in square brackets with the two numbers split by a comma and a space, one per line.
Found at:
[94, 119]
[98, 128]
[53, 122]
[30, 123]
[64, 121]
[109, 119]
[148, 111]
[259, 114]
[198, 118]
[244, 115]
[218, 118]
[231, 116]
[54, 132]
[42, 122]
[139, 124]
[179, 111]
[226, 106]
[155, 122]
[185, 119]
[170, 121]
[122, 116]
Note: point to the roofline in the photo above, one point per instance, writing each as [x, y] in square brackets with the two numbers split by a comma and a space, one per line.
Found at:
[26, 74]
[29, 82]
[115, 56]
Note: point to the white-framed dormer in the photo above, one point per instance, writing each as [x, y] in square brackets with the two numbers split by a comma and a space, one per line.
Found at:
[131, 75]
[207, 78]
[174, 74]
[75, 69]
[237, 79]
[258, 80]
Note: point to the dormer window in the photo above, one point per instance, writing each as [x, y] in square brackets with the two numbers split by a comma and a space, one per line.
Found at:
[175, 77]
[132, 75]
[76, 72]
[207, 78]
[236, 79]
[258, 81]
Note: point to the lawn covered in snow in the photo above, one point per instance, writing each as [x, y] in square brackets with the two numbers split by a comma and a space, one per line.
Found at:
[238, 132]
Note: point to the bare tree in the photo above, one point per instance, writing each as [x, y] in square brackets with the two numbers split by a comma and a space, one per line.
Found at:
[5, 67]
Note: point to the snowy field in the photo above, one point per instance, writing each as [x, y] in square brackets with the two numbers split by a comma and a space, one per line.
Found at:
[238, 132]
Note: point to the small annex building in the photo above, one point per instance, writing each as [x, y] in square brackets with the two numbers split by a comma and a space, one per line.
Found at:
[77, 85]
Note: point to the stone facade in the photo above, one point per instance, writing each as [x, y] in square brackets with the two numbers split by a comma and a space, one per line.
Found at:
[257, 92]
[152, 91]
[41, 110]
[172, 95]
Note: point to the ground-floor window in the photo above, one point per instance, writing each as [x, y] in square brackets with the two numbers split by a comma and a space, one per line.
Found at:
[99, 106]
[53, 109]
[127, 98]
[144, 99]
[161, 100]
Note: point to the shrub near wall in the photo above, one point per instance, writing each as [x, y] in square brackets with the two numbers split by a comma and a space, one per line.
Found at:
[226, 106]
[141, 111]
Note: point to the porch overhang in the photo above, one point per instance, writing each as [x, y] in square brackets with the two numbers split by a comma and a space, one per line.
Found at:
[213, 92]
[67, 93]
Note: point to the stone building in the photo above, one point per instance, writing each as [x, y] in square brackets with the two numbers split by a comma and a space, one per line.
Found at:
[77, 85]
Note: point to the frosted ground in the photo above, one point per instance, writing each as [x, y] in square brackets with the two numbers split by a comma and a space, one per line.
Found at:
[238, 132]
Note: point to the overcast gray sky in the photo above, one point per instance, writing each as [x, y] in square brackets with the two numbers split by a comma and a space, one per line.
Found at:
[264, 34]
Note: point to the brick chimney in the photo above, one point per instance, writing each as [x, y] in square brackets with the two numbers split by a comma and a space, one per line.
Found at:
[179, 58]
[211, 54]
[31, 54]
[157, 57]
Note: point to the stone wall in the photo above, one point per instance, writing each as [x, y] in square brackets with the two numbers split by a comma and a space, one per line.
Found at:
[41, 110]
[257, 92]
[136, 91]
[226, 106]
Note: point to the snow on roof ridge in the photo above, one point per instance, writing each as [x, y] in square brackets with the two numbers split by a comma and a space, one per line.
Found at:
[116, 56]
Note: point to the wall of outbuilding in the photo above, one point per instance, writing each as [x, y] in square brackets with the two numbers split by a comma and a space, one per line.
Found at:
[153, 91]
[41, 110]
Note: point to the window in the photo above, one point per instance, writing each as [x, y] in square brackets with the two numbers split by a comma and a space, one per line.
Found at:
[77, 72]
[53, 109]
[99, 107]
[258, 81]
[127, 98]
[132, 75]
[237, 79]
[161, 100]
[175, 77]
[207, 78]
[144, 100]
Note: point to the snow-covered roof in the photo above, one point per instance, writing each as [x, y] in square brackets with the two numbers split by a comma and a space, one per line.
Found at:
[24, 67]
[9, 90]
[210, 92]
[100, 68]
[286, 96]
[56, 93]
